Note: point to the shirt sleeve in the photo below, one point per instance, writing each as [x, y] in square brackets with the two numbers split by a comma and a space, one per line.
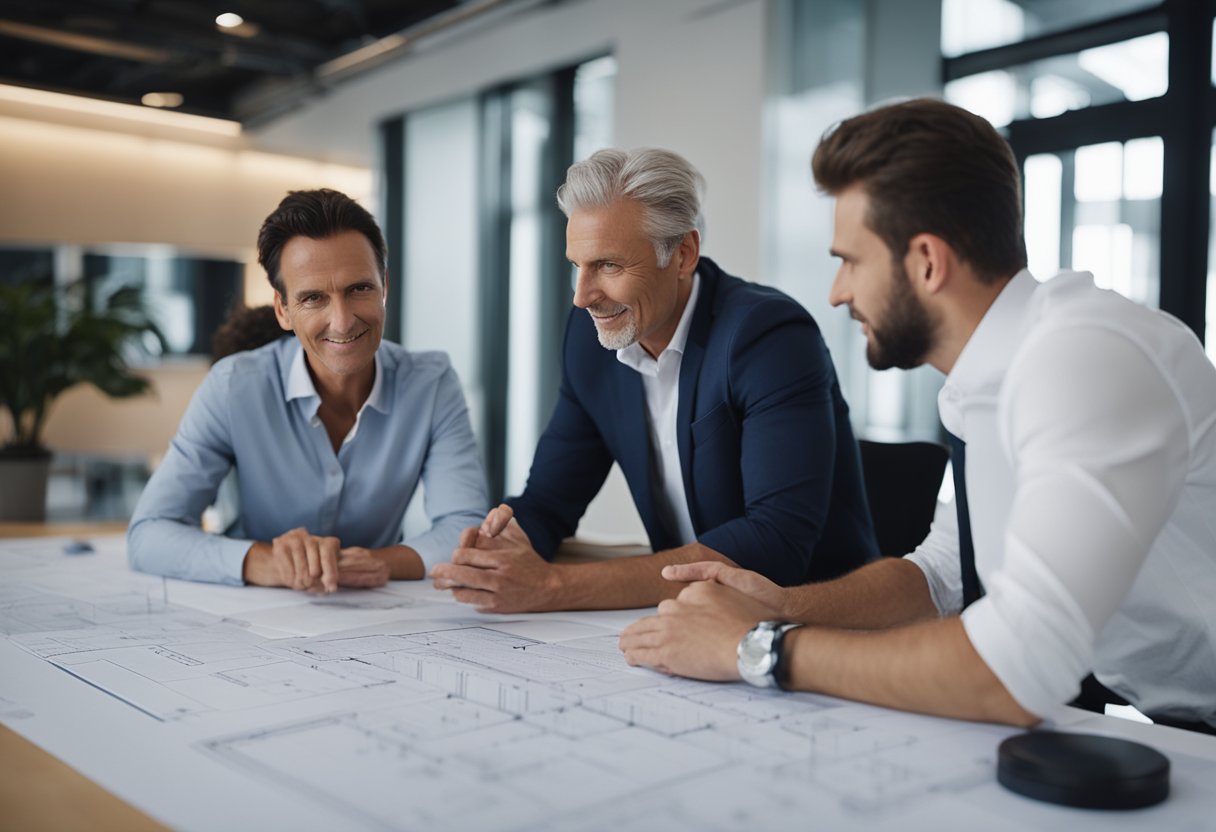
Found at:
[1099, 443]
[938, 558]
[164, 537]
[454, 484]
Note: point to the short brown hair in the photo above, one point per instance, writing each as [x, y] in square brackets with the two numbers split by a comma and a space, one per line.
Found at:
[931, 167]
[318, 215]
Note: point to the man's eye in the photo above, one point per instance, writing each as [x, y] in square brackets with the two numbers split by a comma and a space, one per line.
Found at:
[311, 299]
[610, 268]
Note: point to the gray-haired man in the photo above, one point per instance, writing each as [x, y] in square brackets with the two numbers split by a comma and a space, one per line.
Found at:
[717, 397]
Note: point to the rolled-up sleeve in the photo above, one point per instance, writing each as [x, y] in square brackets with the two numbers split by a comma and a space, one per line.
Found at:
[1099, 441]
[454, 484]
[937, 557]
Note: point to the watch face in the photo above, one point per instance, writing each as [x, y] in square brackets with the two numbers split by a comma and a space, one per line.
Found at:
[756, 657]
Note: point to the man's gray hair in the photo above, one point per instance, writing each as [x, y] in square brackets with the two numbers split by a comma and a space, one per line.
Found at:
[666, 185]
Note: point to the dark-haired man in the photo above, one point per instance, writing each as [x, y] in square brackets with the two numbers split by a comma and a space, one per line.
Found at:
[1085, 462]
[330, 432]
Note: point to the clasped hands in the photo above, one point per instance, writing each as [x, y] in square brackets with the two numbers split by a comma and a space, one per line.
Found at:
[311, 563]
[495, 569]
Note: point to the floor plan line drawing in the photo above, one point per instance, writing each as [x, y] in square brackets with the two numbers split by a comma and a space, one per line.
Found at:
[442, 719]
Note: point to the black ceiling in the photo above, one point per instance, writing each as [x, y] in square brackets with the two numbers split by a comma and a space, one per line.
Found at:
[121, 49]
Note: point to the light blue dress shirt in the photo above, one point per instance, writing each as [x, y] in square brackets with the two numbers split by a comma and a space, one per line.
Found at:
[257, 411]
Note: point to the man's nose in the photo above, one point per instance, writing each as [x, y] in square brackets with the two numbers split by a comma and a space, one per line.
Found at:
[585, 291]
[342, 316]
[839, 292]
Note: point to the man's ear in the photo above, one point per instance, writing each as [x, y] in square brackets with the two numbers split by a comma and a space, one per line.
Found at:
[929, 263]
[688, 253]
[384, 290]
[280, 311]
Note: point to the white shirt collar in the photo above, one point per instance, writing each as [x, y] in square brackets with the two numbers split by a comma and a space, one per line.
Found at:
[635, 356]
[980, 367]
[300, 385]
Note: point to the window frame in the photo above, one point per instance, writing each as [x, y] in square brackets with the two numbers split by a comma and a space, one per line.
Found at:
[1184, 118]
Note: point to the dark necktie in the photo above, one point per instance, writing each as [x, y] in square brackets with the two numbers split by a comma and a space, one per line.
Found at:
[972, 588]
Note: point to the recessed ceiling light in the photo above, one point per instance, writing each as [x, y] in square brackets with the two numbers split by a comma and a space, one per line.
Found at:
[229, 20]
[162, 99]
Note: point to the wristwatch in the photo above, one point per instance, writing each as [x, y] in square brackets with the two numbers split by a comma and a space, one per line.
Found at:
[760, 659]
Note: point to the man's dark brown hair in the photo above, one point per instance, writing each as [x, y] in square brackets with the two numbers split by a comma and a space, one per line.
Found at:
[930, 167]
[318, 215]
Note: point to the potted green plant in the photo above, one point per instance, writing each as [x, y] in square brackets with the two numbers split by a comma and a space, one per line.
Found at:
[50, 340]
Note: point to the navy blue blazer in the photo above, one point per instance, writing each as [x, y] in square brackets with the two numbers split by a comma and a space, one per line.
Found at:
[771, 469]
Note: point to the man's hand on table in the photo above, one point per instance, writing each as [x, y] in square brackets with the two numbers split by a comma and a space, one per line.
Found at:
[312, 563]
[779, 601]
[697, 633]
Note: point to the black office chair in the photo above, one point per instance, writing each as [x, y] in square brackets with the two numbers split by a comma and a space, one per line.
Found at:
[902, 481]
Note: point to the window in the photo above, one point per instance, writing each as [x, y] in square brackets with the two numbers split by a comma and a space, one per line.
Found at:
[19, 264]
[473, 230]
[1109, 106]
[972, 25]
[188, 296]
[1132, 70]
[1098, 209]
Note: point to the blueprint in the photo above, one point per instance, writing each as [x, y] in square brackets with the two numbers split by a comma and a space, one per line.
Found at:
[413, 712]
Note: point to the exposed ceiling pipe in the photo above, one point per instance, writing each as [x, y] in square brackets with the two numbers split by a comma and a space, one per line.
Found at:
[393, 46]
[85, 43]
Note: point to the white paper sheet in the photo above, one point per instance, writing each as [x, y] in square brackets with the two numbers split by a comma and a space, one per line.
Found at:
[400, 709]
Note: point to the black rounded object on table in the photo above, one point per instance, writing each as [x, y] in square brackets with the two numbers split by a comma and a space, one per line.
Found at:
[1083, 770]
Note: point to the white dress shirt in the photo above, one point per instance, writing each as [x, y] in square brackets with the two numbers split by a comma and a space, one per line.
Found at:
[661, 388]
[1090, 424]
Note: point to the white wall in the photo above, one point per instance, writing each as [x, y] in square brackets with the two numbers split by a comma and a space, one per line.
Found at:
[72, 184]
[67, 178]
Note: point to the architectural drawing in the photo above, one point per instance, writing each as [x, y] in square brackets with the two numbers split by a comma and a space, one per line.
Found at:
[447, 720]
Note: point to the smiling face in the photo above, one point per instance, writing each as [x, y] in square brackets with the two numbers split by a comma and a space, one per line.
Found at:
[334, 302]
[620, 283]
[898, 328]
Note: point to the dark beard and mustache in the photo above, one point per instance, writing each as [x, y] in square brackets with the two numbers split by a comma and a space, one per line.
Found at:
[905, 333]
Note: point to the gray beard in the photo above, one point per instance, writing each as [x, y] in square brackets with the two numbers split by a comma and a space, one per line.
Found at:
[620, 338]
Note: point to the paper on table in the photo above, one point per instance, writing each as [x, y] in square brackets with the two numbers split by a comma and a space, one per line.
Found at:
[445, 719]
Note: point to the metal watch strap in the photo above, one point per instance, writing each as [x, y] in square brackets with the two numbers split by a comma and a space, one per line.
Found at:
[760, 654]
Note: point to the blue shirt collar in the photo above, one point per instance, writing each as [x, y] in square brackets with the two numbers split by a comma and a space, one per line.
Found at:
[299, 384]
